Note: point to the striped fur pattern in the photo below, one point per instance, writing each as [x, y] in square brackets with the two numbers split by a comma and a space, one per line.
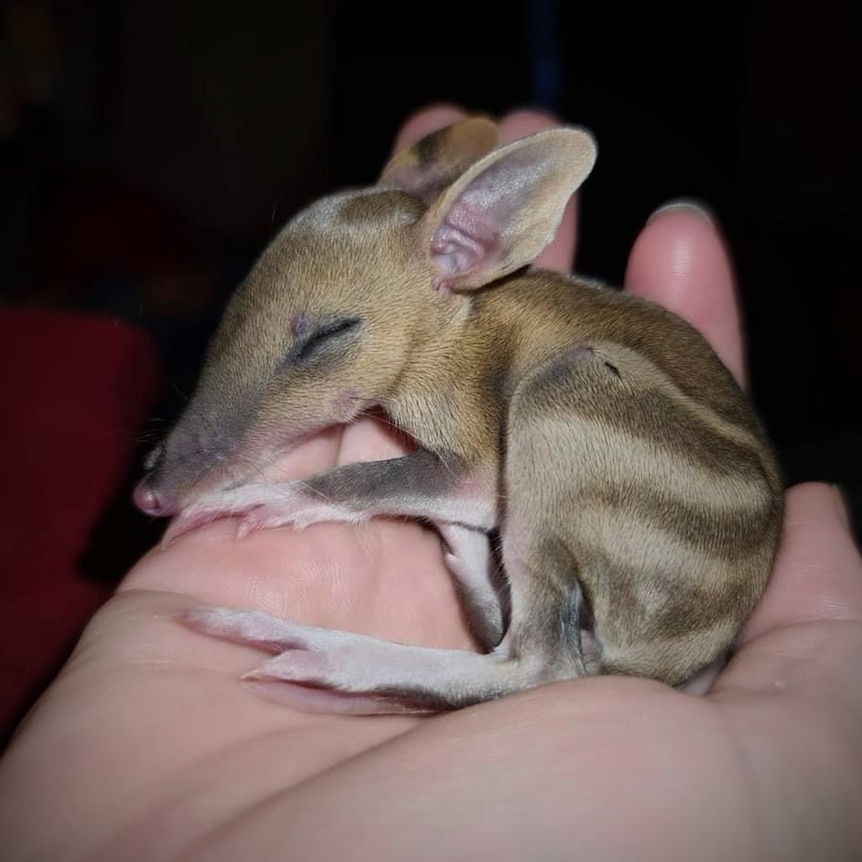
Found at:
[636, 496]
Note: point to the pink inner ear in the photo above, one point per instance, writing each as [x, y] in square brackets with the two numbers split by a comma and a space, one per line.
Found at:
[473, 234]
[465, 241]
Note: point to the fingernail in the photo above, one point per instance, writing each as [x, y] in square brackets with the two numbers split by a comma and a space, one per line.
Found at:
[686, 205]
[843, 504]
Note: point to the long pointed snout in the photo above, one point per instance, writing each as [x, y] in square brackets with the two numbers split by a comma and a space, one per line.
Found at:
[153, 502]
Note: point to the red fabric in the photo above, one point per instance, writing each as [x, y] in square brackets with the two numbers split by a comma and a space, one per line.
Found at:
[74, 391]
[103, 228]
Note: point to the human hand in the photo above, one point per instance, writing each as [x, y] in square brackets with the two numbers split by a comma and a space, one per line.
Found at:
[146, 746]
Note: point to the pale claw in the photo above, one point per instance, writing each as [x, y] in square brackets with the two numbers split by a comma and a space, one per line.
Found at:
[261, 508]
[259, 518]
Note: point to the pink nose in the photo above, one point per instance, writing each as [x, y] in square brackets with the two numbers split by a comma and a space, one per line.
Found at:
[151, 503]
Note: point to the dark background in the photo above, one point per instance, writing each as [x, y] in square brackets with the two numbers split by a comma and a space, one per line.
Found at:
[148, 148]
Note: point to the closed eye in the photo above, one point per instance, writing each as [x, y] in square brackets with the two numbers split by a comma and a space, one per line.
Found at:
[323, 337]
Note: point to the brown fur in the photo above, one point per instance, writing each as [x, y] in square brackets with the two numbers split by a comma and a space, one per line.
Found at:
[636, 492]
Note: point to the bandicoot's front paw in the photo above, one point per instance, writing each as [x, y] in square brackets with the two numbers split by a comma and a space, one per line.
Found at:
[262, 507]
[225, 504]
[270, 515]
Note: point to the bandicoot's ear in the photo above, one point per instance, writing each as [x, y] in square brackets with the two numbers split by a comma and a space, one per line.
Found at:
[506, 208]
[438, 159]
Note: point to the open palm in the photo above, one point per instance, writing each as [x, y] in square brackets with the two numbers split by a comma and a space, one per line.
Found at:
[147, 746]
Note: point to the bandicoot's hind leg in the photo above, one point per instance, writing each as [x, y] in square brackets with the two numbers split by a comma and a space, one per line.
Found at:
[367, 675]
[371, 675]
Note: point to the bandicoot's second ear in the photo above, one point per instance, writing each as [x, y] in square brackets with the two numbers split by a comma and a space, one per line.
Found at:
[438, 159]
[504, 210]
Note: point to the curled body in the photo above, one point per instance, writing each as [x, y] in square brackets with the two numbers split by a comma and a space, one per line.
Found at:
[636, 496]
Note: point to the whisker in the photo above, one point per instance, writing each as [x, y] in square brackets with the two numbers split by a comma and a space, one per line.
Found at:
[255, 467]
[148, 437]
[179, 391]
[316, 491]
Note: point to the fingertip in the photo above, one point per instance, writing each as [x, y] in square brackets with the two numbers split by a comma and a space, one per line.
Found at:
[680, 261]
[526, 121]
[560, 253]
[818, 573]
[372, 438]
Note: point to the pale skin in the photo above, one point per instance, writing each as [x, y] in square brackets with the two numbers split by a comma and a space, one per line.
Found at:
[146, 746]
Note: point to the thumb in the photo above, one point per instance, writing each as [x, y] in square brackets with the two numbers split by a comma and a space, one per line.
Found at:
[803, 642]
[818, 573]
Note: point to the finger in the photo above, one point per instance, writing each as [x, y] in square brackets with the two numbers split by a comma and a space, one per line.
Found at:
[318, 453]
[560, 254]
[818, 573]
[372, 439]
[802, 645]
[680, 261]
